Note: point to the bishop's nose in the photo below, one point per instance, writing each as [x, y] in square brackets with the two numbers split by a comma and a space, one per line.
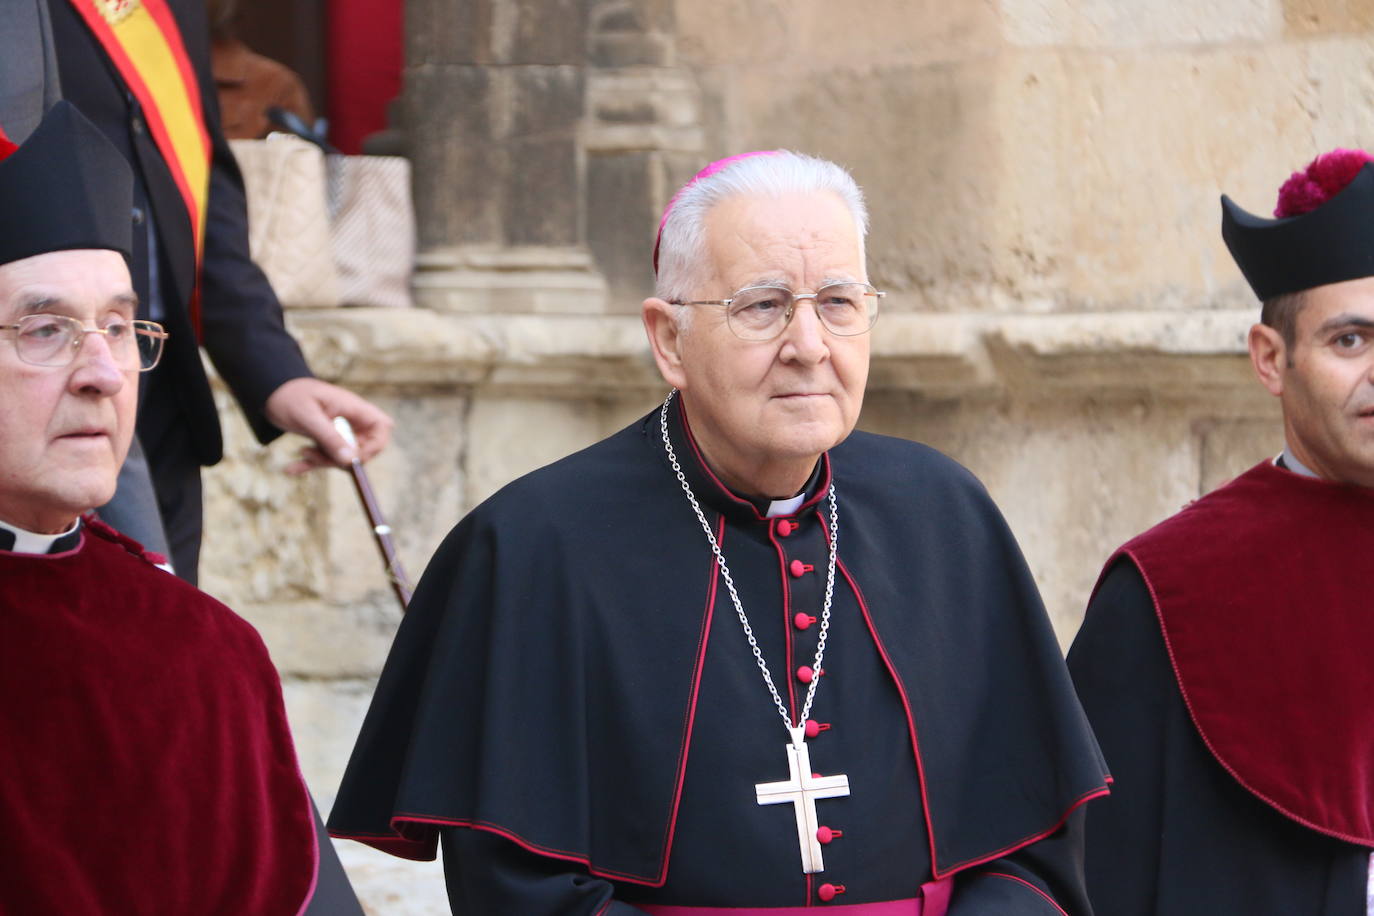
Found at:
[805, 337]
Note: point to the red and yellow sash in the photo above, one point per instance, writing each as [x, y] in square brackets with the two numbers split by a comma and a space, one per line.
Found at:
[143, 41]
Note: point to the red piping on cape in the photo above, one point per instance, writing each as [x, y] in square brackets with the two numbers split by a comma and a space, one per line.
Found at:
[906, 708]
[398, 844]
[811, 504]
[786, 620]
[911, 906]
[692, 707]
[314, 848]
[1197, 724]
[1058, 909]
[94, 524]
[400, 820]
[936, 871]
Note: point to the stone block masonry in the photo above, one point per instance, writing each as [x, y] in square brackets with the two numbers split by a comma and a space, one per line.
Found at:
[1043, 179]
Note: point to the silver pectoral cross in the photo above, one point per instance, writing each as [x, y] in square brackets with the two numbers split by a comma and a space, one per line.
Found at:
[802, 790]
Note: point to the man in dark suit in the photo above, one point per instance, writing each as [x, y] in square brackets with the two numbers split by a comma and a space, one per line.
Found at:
[29, 86]
[241, 320]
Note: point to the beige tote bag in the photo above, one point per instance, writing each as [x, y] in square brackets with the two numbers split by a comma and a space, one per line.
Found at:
[288, 218]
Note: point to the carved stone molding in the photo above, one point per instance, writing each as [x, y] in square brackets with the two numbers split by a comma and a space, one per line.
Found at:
[1196, 353]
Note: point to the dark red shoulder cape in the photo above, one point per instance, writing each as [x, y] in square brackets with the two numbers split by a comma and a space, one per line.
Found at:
[1263, 593]
[146, 762]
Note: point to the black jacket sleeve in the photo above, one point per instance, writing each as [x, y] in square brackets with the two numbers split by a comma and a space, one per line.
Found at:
[1043, 879]
[241, 318]
[488, 874]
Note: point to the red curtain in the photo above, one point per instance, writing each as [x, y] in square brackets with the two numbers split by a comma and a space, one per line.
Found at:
[365, 54]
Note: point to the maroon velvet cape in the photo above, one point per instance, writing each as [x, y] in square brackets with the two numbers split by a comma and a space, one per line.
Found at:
[145, 762]
[1263, 593]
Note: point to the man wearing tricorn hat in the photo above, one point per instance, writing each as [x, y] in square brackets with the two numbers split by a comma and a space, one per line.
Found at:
[736, 658]
[1227, 656]
[146, 762]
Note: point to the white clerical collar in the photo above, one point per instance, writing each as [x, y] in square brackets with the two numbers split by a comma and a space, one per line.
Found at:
[1294, 465]
[31, 542]
[786, 506]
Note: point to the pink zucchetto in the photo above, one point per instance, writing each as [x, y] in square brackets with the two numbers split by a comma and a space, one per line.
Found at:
[704, 173]
[1324, 178]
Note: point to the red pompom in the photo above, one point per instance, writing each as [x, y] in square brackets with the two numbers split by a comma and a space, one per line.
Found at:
[1324, 178]
[7, 145]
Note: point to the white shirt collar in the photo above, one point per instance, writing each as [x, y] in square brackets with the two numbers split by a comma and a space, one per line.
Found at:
[30, 542]
[785, 506]
[1294, 465]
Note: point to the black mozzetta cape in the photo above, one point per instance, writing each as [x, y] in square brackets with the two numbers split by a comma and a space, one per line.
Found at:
[571, 676]
[1225, 663]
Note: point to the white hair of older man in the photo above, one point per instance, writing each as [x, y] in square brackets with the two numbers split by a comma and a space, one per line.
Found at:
[682, 247]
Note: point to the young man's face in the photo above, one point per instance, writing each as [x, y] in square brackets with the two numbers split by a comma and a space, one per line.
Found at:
[1327, 382]
[64, 430]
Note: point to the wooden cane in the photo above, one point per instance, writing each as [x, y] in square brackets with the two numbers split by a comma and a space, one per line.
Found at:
[381, 531]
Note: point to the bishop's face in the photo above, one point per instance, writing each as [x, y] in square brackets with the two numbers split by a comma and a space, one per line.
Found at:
[1328, 390]
[763, 411]
[64, 430]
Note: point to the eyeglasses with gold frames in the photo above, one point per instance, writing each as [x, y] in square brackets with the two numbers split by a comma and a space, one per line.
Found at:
[54, 340]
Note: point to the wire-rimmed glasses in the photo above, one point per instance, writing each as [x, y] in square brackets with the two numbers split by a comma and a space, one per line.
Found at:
[762, 312]
[54, 340]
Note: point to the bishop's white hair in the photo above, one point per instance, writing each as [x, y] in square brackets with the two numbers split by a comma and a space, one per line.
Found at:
[682, 248]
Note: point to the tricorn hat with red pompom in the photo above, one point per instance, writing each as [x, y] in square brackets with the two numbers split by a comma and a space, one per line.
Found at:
[64, 187]
[1322, 231]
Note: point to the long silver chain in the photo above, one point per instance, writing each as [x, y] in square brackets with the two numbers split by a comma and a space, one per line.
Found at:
[734, 595]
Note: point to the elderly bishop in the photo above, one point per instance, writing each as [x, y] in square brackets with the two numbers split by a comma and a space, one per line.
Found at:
[737, 658]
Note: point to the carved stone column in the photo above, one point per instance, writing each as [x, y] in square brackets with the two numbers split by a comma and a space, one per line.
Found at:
[546, 136]
[494, 102]
[643, 138]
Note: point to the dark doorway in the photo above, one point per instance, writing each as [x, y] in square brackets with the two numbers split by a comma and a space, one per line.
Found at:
[292, 32]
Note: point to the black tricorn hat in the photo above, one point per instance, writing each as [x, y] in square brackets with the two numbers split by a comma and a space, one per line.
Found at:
[1332, 243]
[65, 187]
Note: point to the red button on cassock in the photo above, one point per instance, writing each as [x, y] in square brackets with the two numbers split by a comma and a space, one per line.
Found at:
[814, 728]
[805, 674]
[786, 527]
[824, 835]
[802, 621]
[798, 569]
[828, 892]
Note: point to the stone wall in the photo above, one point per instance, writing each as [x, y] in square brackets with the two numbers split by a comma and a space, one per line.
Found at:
[1043, 178]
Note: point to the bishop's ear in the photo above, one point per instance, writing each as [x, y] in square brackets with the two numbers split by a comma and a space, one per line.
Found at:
[1269, 356]
[665, 339]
